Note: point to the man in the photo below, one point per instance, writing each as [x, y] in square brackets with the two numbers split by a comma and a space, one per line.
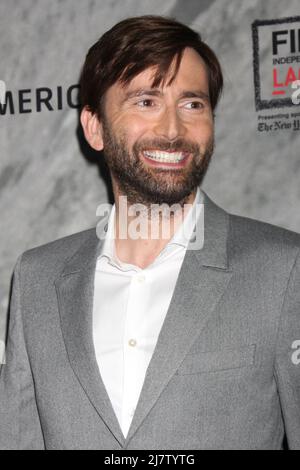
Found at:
[189, 341]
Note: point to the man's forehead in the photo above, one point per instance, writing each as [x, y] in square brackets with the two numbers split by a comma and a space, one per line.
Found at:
[192, 73]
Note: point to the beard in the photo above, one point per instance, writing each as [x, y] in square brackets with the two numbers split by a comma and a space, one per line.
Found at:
[147, 185]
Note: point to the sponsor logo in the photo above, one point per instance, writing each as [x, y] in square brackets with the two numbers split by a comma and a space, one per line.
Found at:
[276, 61]
[40, 99]
[276, 67]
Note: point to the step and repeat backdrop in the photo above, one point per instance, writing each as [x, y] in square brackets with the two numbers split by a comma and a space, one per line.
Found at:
[50, 182]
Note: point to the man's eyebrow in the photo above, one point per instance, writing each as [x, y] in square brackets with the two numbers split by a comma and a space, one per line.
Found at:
[140, 92]
[195, 94]
[157, 92]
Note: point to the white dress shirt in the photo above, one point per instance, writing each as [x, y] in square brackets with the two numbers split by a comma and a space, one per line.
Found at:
[129, 308]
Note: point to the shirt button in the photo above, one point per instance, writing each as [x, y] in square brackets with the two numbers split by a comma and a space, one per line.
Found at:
[140, 278]
[132, 342]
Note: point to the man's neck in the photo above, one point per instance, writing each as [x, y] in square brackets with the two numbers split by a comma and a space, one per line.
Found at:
[156, 229]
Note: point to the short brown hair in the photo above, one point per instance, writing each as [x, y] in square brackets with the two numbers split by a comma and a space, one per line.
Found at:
[133, 45]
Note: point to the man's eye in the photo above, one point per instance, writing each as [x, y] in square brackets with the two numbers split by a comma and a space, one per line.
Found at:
[194, 105]
[146, 103]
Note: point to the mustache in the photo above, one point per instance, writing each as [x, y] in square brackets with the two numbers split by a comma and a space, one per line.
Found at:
[180, 145]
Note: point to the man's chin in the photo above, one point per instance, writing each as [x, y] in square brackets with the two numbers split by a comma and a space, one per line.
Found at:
[168, 197]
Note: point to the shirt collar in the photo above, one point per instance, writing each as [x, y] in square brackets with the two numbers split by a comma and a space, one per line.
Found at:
[181, 237]
[184, 233]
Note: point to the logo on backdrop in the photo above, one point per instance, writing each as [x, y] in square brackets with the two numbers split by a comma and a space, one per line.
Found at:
[276, 66]
[37, 100]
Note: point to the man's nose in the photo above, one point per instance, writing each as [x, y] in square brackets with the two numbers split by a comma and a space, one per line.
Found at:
[170, 125]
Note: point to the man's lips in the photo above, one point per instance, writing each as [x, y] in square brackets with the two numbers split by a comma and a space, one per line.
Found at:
[159, 158]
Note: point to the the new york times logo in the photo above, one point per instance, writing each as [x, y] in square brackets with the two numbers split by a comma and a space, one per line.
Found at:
[276, 62]
[30, 100]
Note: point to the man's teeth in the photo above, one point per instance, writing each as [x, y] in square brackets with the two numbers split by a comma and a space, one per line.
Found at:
[170, 157]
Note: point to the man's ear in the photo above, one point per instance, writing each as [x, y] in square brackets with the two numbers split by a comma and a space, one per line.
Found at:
[92, 128]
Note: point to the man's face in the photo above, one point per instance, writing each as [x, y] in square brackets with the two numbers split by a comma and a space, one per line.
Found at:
[158, 141]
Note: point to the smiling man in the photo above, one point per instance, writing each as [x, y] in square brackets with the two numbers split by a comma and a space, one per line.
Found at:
[158, 140]
[155, 342]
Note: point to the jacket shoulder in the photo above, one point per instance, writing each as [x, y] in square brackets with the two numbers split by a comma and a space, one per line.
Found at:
[258, 235]
[54, 254]
[245, 232]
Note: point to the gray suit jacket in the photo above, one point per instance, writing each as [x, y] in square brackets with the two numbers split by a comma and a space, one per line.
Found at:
[224, 373]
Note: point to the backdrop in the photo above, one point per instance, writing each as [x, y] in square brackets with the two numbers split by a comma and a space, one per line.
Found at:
[51, 184]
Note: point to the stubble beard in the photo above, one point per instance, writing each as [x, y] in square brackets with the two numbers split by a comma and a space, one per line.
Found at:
[147, 185]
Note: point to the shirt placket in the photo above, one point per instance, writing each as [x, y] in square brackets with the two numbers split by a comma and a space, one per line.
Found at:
[132, 348]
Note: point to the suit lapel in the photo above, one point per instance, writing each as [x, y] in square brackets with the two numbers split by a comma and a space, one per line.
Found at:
[75, 290]
[203, 278]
